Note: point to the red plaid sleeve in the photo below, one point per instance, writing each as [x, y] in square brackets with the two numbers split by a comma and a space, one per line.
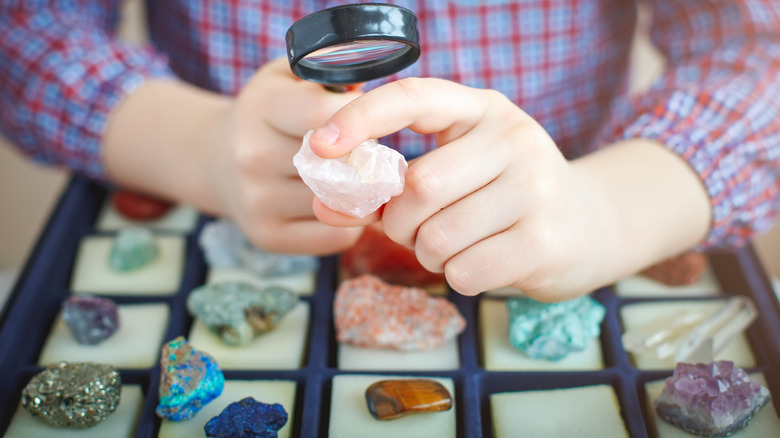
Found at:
[717, 106]
[62, 72]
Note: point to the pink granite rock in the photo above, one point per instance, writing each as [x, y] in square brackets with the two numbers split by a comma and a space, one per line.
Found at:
[356, 184]
[373, 314]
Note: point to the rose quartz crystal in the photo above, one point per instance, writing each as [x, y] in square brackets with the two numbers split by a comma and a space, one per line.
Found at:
[356, 184]
[373, 314]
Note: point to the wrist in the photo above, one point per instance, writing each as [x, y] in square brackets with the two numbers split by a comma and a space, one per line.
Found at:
[653, 205]
[162, 139]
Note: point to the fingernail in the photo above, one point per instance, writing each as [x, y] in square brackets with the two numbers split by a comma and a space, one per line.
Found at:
[327, 134]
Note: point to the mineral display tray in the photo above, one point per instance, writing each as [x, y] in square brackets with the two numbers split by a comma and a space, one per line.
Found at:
[316, 383]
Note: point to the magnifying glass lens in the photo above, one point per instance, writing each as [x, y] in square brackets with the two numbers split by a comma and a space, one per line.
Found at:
[354, 43]
[355, 53]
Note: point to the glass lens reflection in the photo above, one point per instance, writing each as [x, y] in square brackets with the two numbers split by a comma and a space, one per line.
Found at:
[355, 53]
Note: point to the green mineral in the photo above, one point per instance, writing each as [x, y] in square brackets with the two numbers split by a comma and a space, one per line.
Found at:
[134, 248]
[551, 331]
[238, 311]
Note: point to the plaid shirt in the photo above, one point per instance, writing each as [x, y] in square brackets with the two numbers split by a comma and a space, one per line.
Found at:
[62, 71]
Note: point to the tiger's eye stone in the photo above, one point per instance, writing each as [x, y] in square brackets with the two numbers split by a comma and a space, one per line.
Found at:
[139, 207]
[684, 269]
[391, 399]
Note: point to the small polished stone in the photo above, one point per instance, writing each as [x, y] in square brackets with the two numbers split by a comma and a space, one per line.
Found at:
[73, 395]
[237, 311]
[247, 418]
[133, 249]
[189, 380]
[391, 399]
[553, 330]
[139, 207]
[370, 313]
[713, 399]
[91, 319]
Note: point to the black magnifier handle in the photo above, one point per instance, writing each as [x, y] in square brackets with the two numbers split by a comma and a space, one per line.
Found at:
[354, 43]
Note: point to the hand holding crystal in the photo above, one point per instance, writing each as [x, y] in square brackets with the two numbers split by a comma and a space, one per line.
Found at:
[253, 172]
[495, 205]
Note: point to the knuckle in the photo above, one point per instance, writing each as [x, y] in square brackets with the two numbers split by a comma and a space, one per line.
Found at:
[462, 280]
[433, 239]
[422, 183]
[413, 88]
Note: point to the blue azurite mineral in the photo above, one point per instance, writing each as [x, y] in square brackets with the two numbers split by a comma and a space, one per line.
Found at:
[91, 319]
[189, 380]
[247, 418]
[714, 399]
[225, 246]
[237, 311]
[551, 331]
[134, 248]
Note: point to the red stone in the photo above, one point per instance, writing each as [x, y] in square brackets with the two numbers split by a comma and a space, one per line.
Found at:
[684, 269]
[140, 207]
[375, 254]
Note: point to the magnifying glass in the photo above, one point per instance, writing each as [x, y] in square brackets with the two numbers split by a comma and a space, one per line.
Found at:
[354, 43]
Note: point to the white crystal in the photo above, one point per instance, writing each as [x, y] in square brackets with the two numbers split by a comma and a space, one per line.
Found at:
[356, 184]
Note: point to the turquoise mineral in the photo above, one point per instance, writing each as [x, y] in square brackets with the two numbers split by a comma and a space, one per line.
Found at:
[552, 331]
[189, 380]
[238, 311]
[134, 248]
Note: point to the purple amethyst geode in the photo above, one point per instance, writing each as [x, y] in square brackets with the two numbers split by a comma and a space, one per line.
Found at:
[714, 399]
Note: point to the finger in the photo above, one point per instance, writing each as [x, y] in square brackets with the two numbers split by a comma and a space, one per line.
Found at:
[437, 180]
[289, 198]
[470, 220]
[510, 258]
[307, 236]
[293, 105]
[423, 105]
[336, 219]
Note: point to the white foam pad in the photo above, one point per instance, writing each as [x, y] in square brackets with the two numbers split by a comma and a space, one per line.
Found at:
[180, 218]
[302, 283]
[634, 315]
[445, 357]
[93, 273]
[136, 344]
[588, 411]
[500, 355]
[349, 415]
[281, 349]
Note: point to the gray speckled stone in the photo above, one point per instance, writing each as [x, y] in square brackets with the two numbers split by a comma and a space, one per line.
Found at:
[238, 311]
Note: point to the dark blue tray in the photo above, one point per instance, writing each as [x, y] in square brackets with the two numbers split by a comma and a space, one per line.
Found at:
[44, 283]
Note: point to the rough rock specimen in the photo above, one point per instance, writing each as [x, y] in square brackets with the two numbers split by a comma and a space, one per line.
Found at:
[375, 254]
[247, 418]
[139, 207]
[225, 246]
[356, 184]
[373, 314]
[189, 380]
[551, 331]
[237, 311]
[684, 269]
[73, 395]
[91, 319]
[391, 399]
[714, 399]
[133, 248]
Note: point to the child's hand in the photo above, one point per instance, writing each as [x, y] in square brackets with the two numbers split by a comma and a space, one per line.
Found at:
[497, 204]
[253, 170]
